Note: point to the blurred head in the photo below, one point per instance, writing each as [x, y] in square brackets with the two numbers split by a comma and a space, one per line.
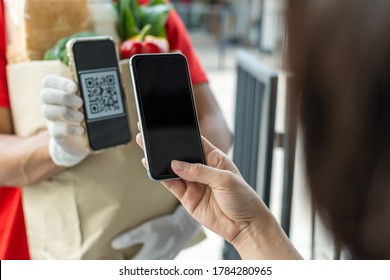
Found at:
[339, 54]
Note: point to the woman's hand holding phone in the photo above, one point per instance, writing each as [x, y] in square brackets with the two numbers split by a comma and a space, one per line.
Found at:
[218, 197]
[215, 194]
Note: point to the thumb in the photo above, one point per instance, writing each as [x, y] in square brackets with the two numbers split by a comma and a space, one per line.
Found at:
[196, 172]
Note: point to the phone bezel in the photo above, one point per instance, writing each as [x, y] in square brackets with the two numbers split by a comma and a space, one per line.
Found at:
[72, 65]
[140, 113]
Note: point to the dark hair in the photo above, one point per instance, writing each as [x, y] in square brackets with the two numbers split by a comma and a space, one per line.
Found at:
[339, 54]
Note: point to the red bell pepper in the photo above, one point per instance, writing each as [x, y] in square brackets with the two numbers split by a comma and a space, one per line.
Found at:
[143, 43]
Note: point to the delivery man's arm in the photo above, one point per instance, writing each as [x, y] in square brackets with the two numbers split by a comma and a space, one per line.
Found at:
[211, 120]
[23, 160]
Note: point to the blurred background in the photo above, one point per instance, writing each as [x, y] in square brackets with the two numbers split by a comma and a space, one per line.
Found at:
[242, 46]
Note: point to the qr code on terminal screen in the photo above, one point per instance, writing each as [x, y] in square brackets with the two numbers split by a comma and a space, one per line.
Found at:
[102, 94]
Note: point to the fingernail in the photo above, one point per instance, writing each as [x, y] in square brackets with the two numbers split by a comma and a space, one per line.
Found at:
[179, 165]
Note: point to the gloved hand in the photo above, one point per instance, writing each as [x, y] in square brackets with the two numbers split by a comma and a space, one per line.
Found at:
[60, 109]
[162, 238]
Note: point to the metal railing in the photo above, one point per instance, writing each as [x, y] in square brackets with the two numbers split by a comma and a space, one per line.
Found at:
[256, 94]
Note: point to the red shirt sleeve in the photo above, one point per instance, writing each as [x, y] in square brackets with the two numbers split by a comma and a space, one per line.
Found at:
[4, 100]
[179, 39]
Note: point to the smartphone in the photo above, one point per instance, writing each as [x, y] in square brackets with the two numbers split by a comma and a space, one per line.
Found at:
[166, 111]
[94, 65]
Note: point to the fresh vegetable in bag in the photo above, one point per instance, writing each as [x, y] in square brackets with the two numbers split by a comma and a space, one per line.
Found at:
[142, 27]
[143, 43]
[58, 51]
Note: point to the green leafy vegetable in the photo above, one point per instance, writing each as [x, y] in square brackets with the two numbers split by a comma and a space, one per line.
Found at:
[132, 17]
[58, 51]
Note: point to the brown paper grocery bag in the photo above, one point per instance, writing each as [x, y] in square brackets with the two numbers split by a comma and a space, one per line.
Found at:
[24, 85]
[76, 214]
[34, 26]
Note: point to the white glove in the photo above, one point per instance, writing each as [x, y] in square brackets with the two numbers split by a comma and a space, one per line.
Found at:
[162, 238]
[60, 109]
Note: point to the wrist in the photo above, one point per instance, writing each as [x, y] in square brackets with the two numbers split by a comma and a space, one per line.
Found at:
[264, 239]
[249, 240]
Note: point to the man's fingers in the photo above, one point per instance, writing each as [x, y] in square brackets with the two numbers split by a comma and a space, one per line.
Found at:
[57, 82]
[61, 113]
[131, 237]
[53, 96]
[59, 130]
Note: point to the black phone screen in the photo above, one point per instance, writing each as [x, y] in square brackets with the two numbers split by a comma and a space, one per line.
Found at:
[101, 90]
[167, 111]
